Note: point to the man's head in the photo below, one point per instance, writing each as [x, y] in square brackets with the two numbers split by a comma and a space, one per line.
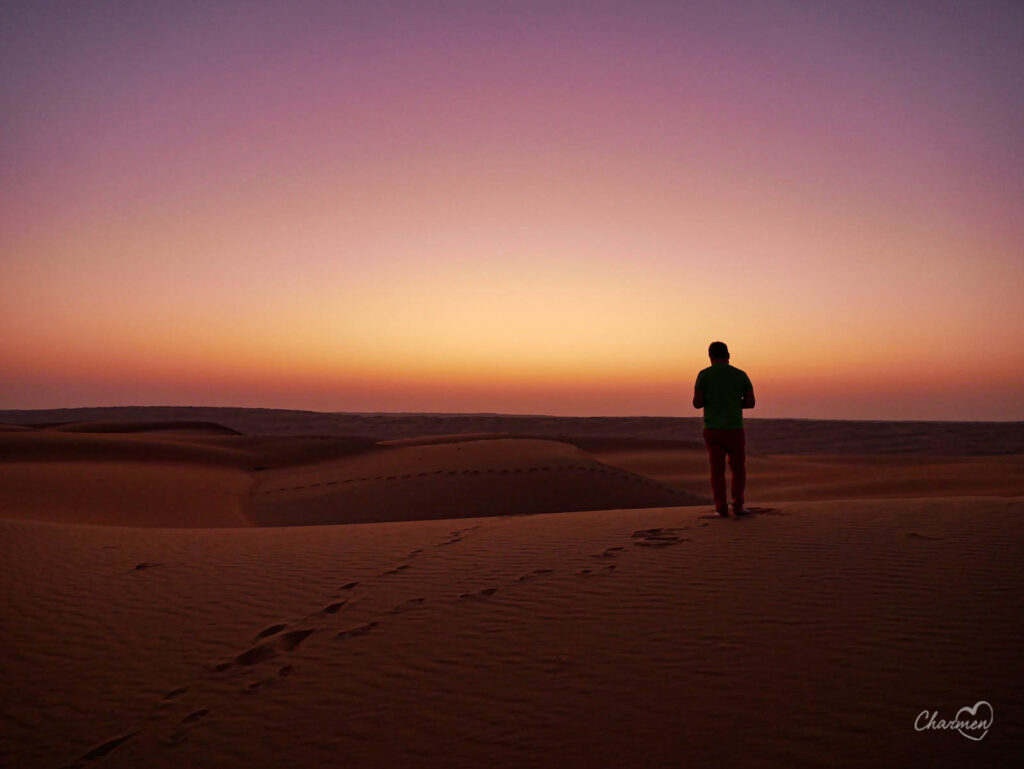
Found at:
[718, 351]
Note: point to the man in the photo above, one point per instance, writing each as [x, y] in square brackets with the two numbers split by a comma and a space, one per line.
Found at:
[723, 391]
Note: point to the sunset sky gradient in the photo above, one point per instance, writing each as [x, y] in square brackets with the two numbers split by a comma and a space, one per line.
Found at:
[513, 207]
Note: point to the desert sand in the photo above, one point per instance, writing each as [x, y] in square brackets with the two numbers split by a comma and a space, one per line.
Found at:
[550, 594]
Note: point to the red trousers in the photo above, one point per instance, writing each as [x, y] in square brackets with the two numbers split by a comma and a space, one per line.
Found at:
[722, 444]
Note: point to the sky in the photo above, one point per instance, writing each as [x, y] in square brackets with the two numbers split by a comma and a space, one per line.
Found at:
[515, 207]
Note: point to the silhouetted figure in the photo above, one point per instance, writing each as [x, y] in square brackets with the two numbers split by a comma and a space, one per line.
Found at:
[723, 391]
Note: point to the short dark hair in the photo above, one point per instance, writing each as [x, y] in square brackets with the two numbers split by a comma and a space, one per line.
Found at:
[718, 350]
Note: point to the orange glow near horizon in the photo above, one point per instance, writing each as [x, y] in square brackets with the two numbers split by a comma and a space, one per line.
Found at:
[428, 216]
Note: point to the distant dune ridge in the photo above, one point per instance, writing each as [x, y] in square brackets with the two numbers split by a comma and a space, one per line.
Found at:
[202, 473]
[772, 436]
[505, 592]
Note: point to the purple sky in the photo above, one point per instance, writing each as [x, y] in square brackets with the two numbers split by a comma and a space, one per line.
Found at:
[519, 207]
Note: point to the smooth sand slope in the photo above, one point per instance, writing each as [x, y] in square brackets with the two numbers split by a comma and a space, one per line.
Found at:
[809, 638]
[648, 635]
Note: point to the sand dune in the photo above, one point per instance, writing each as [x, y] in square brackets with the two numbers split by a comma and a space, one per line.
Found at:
[207, 478]
[182, 427]
[453, 480]
[620, 623]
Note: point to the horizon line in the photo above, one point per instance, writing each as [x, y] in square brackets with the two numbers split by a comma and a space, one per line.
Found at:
[506, 414]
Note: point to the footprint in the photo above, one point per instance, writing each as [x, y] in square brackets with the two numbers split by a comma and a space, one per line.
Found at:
[915, 535]
[283, 672]
[653, 532]
[272, 630]
[396, 570]
[332, 609]
[357, 631]
[412, 603]
[608, 552]
[534, 574]
[269, 649]
[661, 541]
[487, 591]
[101, 750]
[290, 641]
[348, 586]
[195, 715]
[145, 565]
[415, 553]
[175, 694]
[253, 656]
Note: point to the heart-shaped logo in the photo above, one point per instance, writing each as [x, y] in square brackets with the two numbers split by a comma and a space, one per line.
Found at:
[978, 721]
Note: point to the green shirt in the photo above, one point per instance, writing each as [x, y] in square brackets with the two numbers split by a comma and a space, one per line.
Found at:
[723, 387]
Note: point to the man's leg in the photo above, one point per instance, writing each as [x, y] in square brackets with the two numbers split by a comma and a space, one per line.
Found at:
[716, 453]
[738, 465]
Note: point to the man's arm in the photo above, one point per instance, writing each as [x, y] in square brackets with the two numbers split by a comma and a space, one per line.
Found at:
[698, 398]
[748, 399]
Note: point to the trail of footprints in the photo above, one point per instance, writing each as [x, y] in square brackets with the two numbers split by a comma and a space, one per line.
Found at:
[278, 640]
[599, 470]
[660, 537]
[174, 721]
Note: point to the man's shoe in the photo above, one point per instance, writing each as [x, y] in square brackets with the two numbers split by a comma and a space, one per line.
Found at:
[724, 513]
[741, 511]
